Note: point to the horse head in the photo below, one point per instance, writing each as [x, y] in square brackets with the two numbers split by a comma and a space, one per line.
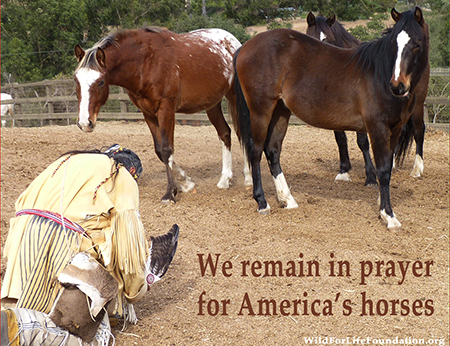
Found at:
[91, 85]
[410, 37]
[320, 28]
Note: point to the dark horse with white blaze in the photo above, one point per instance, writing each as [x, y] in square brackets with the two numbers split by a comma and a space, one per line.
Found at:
[331, 31]
[369, 88]
[163, 73]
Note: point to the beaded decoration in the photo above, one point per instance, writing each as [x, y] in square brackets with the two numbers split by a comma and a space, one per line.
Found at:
[104, 181]
[61, 163]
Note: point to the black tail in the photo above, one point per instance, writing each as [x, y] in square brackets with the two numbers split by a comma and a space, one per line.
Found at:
[404, 142]
[162, 251]
[243, 130]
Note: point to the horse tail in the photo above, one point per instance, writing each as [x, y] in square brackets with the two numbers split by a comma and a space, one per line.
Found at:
[404, 142]
[243, 124]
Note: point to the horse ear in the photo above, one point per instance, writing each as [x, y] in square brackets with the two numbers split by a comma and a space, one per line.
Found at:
[79, 52]
[101, 58]
[395, 15]
[331, 20]
[418, 15]
[311, 19]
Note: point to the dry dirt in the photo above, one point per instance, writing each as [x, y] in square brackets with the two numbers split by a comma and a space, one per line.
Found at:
[333, 219]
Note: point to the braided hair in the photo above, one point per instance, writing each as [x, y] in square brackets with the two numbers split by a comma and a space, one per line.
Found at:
[126, 157]
[121, 156]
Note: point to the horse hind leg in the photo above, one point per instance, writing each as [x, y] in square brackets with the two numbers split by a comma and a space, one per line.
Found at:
[232, 111]
[272, 150]
[345, 165]
[215, 115]
[419, 134]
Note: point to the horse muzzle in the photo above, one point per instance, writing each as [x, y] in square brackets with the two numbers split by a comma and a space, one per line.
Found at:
[89, 128]
[399, 89]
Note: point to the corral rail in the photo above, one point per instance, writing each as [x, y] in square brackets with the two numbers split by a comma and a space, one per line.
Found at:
[55, 102]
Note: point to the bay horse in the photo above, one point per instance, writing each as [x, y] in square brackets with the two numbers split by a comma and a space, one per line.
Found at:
[163, 73]
[332, 31]
[369, 88]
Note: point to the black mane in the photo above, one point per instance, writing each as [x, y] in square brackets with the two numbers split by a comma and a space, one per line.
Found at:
[378, 56]
[343, 38]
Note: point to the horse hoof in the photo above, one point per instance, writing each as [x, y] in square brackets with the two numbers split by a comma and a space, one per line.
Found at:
[187, 186]
[167, 201]
[343, 177]
[291, 204]
[392, 222]
[265, 211]
[248, 181]
[374, 185]
[224, 183]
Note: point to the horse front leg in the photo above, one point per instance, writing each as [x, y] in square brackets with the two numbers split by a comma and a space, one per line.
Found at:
[165, 154]
[384, 154]
[215, 115]
[363, 144]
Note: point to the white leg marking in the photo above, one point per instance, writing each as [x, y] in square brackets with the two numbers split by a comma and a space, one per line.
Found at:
[227, 172]
[417, 170]
[248, 180]
[85, 77]
[343, 177]
[402, 39]
[171, 162]
[186, 183]
[283, 193]
[392, 222]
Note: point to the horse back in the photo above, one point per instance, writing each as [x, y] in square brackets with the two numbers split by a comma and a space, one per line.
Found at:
[196, 68]
[313, 78]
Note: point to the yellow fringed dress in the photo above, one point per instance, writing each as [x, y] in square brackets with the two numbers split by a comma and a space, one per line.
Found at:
[38, 248]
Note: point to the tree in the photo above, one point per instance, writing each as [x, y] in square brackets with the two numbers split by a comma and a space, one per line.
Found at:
[38, 37]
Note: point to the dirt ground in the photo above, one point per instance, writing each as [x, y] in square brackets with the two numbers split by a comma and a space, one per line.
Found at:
[335, 223]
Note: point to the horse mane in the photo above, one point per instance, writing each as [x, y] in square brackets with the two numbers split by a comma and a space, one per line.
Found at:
[154, 29]
[343, 38]
[89, 60]
[378, 56]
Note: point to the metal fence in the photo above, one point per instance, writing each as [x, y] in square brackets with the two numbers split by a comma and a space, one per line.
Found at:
[55, 102]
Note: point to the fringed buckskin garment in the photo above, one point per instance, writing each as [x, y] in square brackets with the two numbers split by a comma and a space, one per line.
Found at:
[82, 196]
[29, 327]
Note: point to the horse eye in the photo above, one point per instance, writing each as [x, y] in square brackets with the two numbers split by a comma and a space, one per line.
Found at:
[417, 46]
[101, 83]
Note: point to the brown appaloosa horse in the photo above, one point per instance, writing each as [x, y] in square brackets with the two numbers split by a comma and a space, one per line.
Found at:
[163, 73]
[331, 31]
[369, 88]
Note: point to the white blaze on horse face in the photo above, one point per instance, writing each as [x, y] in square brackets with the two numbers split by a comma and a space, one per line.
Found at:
[85, 77]
[402, 39]
[322, 36]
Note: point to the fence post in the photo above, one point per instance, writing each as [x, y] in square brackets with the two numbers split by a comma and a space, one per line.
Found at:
[123, 104]
[49, 104]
